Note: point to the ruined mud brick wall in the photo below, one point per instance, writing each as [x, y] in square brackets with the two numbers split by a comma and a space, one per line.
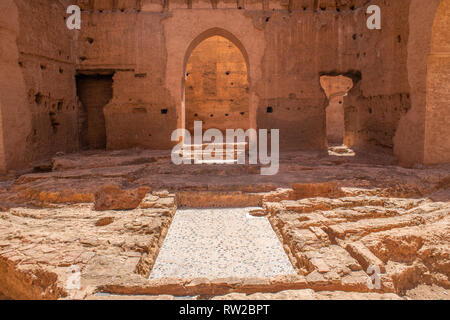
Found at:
[381, 94]
[13, 112]
[437, 122]
[131, 44]
[38, 95]
[422, 134]
[288, 45]
[47, 61]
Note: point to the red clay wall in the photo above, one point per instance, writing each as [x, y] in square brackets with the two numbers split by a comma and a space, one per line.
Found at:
[287, 52]
[287, 45]
[46, 58]
[37, 95]
[437, 122]
[409, 138]
[14, 115]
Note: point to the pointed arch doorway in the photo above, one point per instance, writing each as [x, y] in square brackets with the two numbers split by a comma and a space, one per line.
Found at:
[216, 83]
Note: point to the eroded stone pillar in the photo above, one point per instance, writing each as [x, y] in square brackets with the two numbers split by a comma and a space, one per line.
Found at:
[336, 88]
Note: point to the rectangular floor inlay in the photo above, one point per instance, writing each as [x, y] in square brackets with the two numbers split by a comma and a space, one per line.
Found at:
[219, 243]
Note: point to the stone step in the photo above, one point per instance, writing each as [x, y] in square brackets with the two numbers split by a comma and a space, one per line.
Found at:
[221, 150]
[208, 161]
[215, 158]
[223, 146]
[213, 153]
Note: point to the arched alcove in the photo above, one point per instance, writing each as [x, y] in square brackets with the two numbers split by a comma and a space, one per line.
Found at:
[216, 82]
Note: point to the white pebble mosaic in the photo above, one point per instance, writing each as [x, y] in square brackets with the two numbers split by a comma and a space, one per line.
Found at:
[220, 243]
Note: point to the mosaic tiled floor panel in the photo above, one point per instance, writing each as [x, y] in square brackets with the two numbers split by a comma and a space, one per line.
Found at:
[219, 243]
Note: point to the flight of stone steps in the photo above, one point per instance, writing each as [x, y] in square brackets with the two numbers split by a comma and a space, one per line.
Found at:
[215, 153]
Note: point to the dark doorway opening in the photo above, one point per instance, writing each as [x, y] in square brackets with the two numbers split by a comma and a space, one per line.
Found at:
[94, 92]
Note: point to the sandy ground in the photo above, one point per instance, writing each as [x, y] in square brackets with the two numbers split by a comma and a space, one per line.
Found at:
[424, 292]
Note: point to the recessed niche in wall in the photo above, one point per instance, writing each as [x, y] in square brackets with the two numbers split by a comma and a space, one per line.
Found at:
[94, 92]
[38, 98]
[216, 85]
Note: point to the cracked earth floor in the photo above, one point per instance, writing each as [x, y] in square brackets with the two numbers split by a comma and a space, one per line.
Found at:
[323, 220]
